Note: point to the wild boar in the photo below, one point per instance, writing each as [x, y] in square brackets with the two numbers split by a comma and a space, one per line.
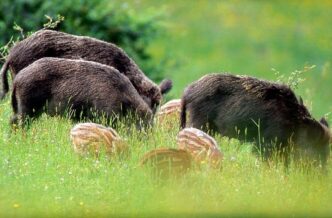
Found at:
[49, 43]
[82, 89]
[92, 138]
[266, 113]
[168, 115]
[167, 162]
[201, 146]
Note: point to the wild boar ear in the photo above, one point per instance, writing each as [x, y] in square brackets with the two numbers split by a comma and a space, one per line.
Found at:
[324, 122]
[165, 86]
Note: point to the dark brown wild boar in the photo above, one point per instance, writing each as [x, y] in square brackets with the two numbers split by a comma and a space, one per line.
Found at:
[88, 89]
[49, 43]
[268, 114]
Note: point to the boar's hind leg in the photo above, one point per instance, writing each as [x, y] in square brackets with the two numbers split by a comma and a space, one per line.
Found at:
[19, 117]
[22, 111]
[16, 119]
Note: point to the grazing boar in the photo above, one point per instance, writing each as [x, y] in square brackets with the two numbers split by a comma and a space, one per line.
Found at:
[49, 43]
[86, 88]
[201, 146]
[92, 138]
[168, 114]
[167, 162]
[268, 114]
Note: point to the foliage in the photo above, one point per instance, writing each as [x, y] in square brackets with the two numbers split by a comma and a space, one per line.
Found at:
[113, 22]
[295, 78]
[5, 49]
[52, 24]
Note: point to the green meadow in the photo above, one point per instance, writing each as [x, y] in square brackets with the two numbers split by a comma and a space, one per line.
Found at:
[41, 176]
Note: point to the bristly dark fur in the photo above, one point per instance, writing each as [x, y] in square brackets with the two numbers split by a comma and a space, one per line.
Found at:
[48, 43]
[246, 108]
[85, 87]
[165, 86]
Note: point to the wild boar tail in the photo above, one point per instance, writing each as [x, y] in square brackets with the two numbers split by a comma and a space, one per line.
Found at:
[14, 101]
[4, 80]
[183, 113]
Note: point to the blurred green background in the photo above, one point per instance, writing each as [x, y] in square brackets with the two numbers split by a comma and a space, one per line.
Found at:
[184, 40]
[251, 37]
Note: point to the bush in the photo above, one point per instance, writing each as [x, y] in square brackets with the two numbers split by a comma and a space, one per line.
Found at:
[115, 23]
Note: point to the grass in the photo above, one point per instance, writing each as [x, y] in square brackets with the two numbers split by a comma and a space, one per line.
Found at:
[40, 175]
